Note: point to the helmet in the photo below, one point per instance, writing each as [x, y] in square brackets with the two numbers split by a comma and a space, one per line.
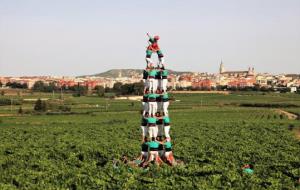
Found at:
[156, 37]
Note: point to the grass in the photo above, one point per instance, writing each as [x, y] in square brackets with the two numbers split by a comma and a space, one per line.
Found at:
[211, 134]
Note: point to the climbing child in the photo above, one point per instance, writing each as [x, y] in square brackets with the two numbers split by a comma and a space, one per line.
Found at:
[154, 48]
[248, 169]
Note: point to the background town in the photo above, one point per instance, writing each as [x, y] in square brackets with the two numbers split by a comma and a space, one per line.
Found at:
[247, 79]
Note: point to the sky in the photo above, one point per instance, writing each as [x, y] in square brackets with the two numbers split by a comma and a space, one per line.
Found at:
[78, 37]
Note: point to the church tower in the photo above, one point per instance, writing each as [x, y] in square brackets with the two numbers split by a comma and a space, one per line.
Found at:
[222, 69]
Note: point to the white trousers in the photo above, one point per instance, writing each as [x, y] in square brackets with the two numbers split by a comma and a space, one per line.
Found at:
[152, 84]
[164, 84]
[152, 131]
[144, 130]
[165, 108]
[153, 155]
[152, 108]
[167, 131]
[146, 83]
[155, 85]
[145, 107]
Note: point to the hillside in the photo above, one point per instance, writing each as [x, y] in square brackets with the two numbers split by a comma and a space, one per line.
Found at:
[114, 73]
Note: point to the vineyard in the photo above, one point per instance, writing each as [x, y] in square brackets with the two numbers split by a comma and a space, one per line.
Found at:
[213, 134]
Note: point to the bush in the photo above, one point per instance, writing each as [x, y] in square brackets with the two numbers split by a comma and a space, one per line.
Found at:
[64, 108]
[8, 101]
[20, 110]
[40, 106]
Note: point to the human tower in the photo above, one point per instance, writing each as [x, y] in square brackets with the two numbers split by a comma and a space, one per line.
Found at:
[156, 140]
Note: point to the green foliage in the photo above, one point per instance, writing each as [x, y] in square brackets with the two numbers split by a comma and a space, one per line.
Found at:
[17, 85]
[40, 106]
[10, 101]
[214, 142]
[20, 110]
[100, 90]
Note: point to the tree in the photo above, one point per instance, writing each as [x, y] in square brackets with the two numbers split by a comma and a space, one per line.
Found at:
[39, 86]
[100, 90]
[117, 87]
[17, 85]
[20, 110]
[138, 88]
[80, 90]
[40, 105]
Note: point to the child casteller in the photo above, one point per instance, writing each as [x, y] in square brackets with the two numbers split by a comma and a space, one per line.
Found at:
[154, 48]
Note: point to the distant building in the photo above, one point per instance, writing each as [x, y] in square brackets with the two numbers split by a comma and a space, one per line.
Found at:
[224, 73]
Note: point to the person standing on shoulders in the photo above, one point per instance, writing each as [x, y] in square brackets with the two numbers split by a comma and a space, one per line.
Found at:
[167, 126]
[152, 127]
[165, 103]
[164, 79]
[152, 104]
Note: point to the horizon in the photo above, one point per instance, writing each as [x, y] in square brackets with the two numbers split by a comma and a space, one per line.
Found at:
[73, 38]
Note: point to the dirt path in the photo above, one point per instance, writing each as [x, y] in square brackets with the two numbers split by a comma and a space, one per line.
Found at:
[6, 114]
[288, 114]
[200, 92]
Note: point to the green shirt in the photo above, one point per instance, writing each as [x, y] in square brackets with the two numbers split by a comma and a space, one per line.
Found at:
[168, 144]
[165, 96]
[248, 171]
[164, 73]
[153, 144]
[166, 119]
[151, 120]
[152, 73]
[152, 96]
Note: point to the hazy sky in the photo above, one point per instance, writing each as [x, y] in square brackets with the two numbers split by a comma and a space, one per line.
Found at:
[75, 37]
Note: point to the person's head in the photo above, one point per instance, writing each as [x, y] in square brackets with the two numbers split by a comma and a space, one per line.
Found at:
[153, 138]
[156, 38]
[249, 166]
[157, 114]
[145, 139]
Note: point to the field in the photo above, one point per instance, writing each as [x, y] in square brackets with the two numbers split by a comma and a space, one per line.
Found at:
[213, 134]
